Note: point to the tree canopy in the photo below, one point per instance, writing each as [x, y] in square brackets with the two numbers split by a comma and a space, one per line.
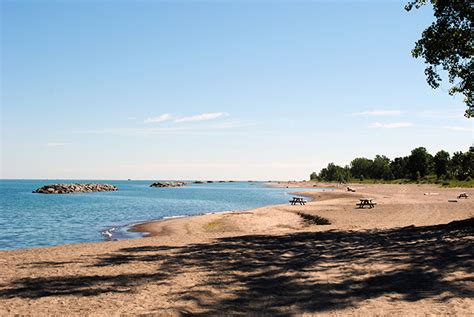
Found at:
[419, 164]
[448, 43]
[441, 163]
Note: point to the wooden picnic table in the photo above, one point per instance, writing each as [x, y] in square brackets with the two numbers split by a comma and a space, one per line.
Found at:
[296, 200]
[366, 202]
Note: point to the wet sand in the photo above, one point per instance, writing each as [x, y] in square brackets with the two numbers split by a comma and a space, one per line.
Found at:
[410, 255]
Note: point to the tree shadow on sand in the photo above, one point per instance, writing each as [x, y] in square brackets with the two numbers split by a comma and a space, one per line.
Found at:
[287, 274]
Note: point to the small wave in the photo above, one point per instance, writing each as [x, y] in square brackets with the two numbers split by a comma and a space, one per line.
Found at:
[173, 217]
[108, 233]
[219, 212]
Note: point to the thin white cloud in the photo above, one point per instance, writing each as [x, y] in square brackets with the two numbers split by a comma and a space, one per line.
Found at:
[57, 144]
[166, 130]
[379, 113]
[161, 118]
[203, 117]
[395, 125]
[459, 128]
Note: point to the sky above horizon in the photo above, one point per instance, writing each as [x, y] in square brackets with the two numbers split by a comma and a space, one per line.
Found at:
[215, 89]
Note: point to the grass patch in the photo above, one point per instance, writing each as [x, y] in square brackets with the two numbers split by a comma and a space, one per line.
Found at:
[314, 220]
[456, 183]
[212, 225]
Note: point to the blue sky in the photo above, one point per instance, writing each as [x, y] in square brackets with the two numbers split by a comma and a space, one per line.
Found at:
[215, 89]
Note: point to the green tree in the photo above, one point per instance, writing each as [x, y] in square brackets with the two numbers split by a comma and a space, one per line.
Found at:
[418, 161]
[334, 173]
[441, 163]
[398, 167]
[381, 168]
[361, 167]
[448, 43]
[313, 176]
[462, 165]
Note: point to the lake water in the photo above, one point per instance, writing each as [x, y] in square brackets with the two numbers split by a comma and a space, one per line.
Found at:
[30, 220]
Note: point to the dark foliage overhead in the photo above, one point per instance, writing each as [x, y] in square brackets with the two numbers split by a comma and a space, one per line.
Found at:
[448, 43]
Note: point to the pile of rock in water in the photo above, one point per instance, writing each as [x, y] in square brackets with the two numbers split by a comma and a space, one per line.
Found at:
[169, 184]
[210, 182]
[74, 188]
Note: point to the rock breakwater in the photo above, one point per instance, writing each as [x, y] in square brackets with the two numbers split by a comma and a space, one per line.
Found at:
[74, 188]
[168, 184]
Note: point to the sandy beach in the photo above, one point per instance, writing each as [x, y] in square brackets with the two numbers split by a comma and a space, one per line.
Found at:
[410, 255]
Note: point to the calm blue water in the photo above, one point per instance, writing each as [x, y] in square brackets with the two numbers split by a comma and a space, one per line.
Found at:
[36, 220]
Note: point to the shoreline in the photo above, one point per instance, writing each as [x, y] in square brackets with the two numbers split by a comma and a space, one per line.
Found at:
[141, 226]
[335, 193]
[148, 228]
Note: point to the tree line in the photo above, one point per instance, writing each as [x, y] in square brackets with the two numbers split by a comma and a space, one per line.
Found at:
[416, 166]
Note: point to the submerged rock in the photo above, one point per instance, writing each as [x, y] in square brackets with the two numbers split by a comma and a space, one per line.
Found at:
[168, 184]
[74, 188]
